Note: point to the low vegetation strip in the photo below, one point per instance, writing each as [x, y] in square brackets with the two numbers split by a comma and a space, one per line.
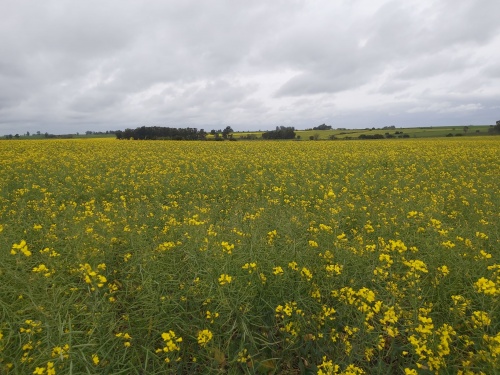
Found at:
[250, 257]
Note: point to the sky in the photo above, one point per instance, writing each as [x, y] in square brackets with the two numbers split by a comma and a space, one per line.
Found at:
[73, 66]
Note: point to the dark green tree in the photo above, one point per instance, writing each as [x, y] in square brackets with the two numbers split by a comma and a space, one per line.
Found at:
[226, 132]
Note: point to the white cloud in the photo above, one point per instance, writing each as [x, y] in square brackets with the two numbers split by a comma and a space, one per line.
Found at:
[67, 67]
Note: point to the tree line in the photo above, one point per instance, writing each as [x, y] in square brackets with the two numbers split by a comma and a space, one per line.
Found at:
[160, 132]
[191, 134]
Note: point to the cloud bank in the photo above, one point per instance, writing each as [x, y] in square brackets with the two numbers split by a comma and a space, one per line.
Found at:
[93, 65]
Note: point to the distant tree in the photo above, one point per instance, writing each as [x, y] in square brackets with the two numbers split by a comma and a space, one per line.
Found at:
[226, 132]
[466, 129]
[281, 132]
[128, 134]
[323, 127]
[497, 126]
[16, 136]
[27, 134]
[202, 134]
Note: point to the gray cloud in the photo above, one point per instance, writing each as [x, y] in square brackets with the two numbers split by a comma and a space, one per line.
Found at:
[67, 67]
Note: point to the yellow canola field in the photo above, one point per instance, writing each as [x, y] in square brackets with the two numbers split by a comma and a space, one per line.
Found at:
[338, 257]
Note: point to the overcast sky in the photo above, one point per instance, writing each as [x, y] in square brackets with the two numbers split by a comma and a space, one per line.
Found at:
[71, 66]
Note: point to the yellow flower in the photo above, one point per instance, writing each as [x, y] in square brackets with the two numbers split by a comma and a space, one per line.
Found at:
[483, 255]
[243, 356]
[211, 316]
[95, 359]
[481, 235]
[327, 367]
[448, 244]
[50, 368]
[444, 270]
[486, 286]
[225, 279]
[334, 269]
[227, 247]
[249, 266]
[166, 246]
[204, 337]
[416, 265]
[42, 268]
[271, 236]
[389, 316]
[277, 270]
[306, 273]
[480, 319]
[22, 247]
[60, 352]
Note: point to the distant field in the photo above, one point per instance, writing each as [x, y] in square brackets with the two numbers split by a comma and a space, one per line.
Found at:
[412, 132]
[358, 257]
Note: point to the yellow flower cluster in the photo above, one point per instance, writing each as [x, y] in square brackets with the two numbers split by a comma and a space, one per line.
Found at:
[42, 268]
[204, 337]
[21, 247]
[48, 370]
[93, 277]
[250, 267]
[225, 279]
[227, 247]
[171, 342]
[125, 337]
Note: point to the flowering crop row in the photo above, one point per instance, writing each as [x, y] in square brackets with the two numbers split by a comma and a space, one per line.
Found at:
[258, 257]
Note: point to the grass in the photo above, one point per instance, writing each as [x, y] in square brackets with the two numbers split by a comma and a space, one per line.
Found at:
[250, 257]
